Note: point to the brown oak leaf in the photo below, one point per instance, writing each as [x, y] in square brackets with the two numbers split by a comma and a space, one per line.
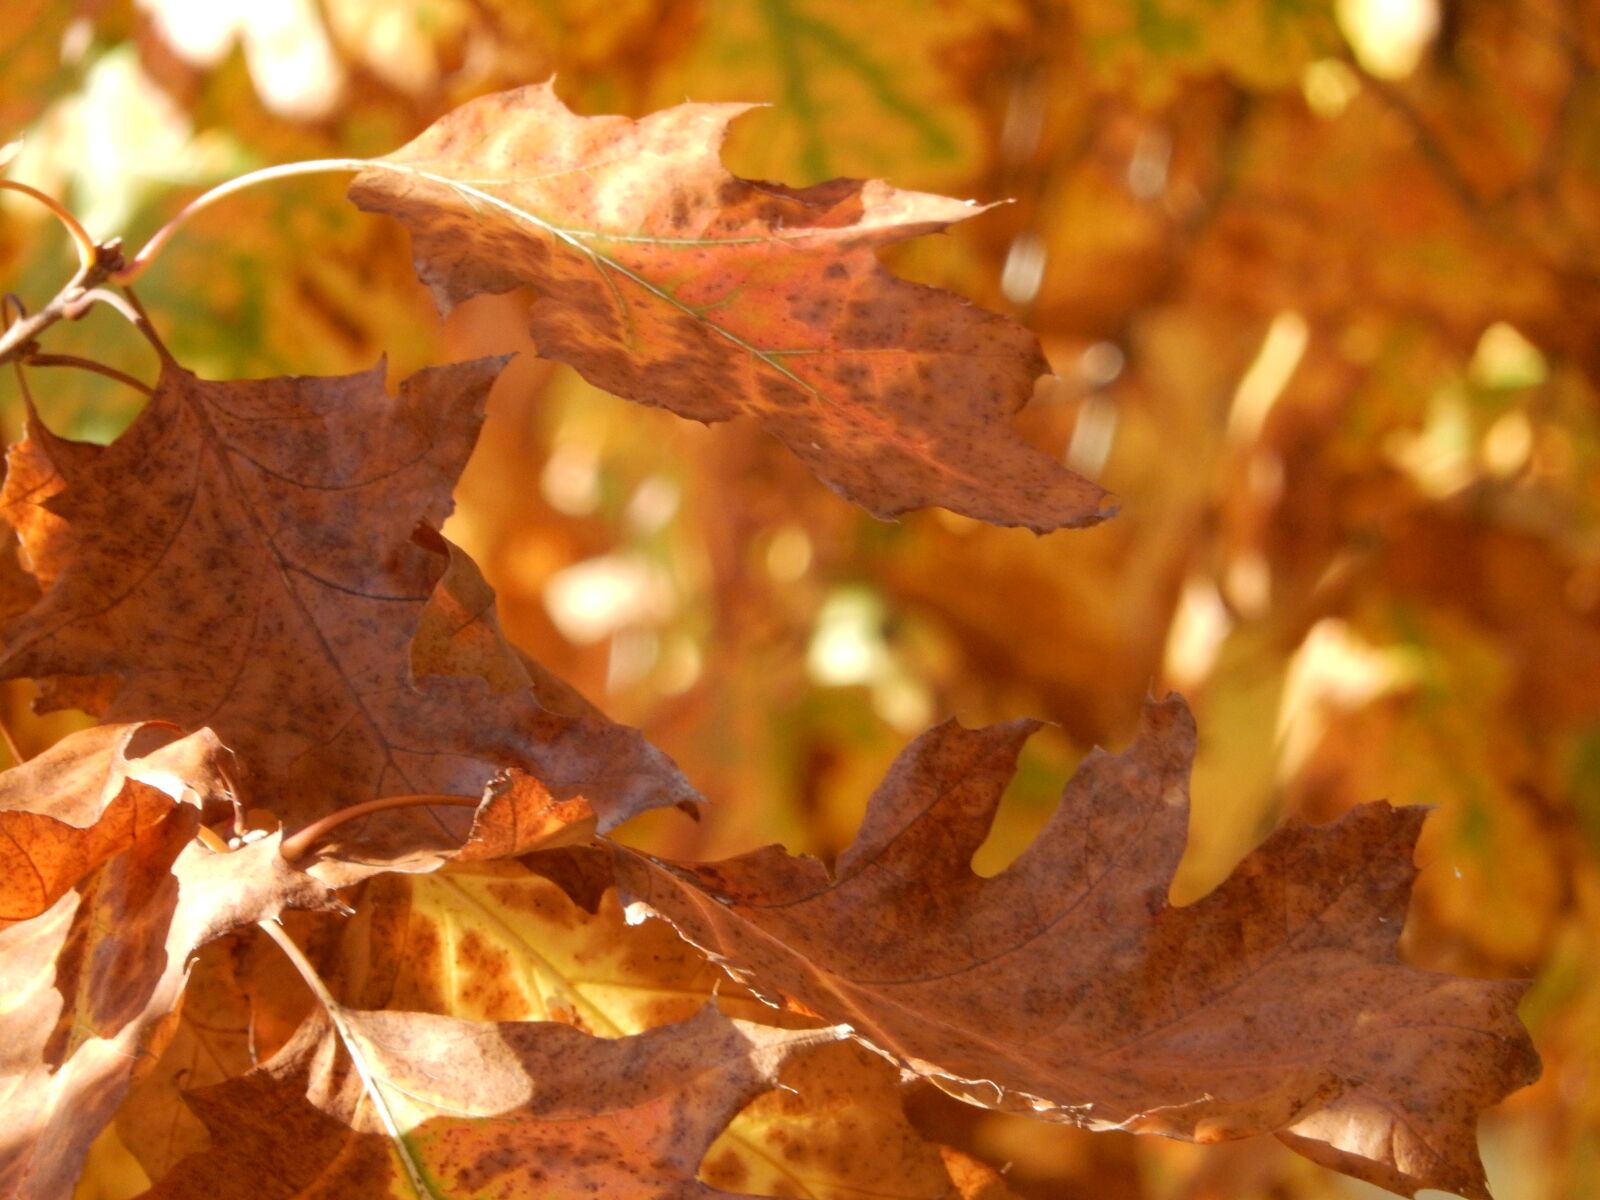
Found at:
[665, 279]
[94, 980]
[243, 557]
[375, 1104]
[1068, 986]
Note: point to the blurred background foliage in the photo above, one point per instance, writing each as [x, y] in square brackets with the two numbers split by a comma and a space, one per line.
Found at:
[1319, 282]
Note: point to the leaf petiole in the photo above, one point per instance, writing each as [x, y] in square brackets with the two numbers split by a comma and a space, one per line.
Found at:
[297, 845]
[81, 241]
[88, 364]
[136, 265]
[352, 1045]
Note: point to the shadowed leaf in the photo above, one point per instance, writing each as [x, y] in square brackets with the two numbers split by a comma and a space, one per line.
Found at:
[509, 1110]
[88, 798]
[100, 974]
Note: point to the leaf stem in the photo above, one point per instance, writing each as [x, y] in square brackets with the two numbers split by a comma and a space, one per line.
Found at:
[316, 166]
[297, 845]
[81, 240]
[141, 322]
[11, 742]
[88, 364]
[302, 964]
[212, 840]
[369, 1079]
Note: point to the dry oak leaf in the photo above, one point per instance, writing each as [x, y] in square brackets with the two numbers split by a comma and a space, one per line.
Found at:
[242, 557]
[99, 974]
[88, 798]
[665, 279]
[459, 634]
[1068, 985]
[395, 1104]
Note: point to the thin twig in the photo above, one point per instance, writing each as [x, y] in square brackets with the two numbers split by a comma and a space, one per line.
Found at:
[103, 295]
[22, 386]
[297, 845]
[88, 364]
[68, 304]
[143, 323]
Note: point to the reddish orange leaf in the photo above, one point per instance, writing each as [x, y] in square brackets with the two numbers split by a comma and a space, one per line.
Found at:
[242, 557]
[665, 279]
[88, 798]
[499, 1111]
[1068, 986]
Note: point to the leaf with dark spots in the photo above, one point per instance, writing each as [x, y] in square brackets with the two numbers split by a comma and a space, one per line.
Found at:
[499, 942]
[1069, 986]
[243, 557]
[459, 633]
[378, 1104]
[663, 278]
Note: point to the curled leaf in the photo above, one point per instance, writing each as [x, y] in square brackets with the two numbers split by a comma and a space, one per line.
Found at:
[90, 797]
[102, 971]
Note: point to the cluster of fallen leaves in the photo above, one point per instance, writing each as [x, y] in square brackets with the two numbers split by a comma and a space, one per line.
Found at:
[233, 909]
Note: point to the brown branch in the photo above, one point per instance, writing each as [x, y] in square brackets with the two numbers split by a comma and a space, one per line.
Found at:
[71, 302]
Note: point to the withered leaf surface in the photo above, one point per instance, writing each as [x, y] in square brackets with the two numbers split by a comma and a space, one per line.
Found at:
[214, 1038]
[99, 975]
[665, 279]
[499, 942]
[499, 1111]
[242, 557]
[835, 1131]
[459, 634]
[89, 797]
[1068, 985]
